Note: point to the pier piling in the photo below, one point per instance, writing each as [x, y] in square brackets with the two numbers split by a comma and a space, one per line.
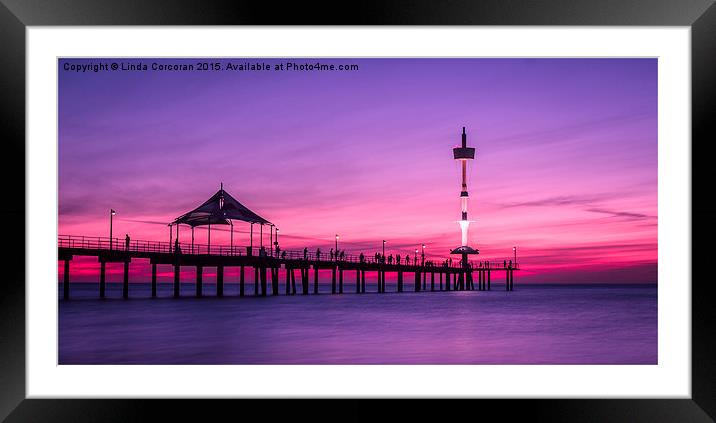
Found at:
[357, 281]
[154, 280]
[315, 278]
[400, 280]
[263, 281]
[220, 281]
[288, 280]
[176, 280]
[66, 281]
[125, 283]
[241, 281]
[293, 281]
[362, 281]
[333, 279]
[102, 278]
[256, 280]
[432, 281]
[304, 280]
[199, 281]
[340, 280]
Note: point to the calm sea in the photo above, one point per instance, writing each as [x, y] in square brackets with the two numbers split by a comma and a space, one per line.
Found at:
[535, 324]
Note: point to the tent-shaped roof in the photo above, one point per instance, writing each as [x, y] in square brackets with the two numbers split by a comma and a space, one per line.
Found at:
[218, 210]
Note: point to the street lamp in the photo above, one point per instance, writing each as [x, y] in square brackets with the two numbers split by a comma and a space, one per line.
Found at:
[111, 216]
[422, 256]
[383, 249]
[416, 257]
[514, 250]
[336, 256]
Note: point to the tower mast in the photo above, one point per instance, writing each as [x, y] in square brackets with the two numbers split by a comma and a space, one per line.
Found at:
[464, 154]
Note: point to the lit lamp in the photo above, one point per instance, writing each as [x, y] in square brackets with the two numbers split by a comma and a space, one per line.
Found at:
[111, 216]
[337, 247]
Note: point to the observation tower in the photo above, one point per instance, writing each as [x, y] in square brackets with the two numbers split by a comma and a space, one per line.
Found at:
[463, 155]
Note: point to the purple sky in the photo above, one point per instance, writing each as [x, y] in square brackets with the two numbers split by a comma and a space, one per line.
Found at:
[566, 165]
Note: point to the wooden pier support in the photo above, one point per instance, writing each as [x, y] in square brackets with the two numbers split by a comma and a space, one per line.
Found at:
[241, 281]
[274, 280]
[199, 281]
[304, 280]
[432, 281]
[512, 279]
[288, 280]
[263, 281]
[66, 281]
[507, 280]
[103, 276]
[380, 281]
[425, 276]
[447, 281]
[293, 281]
[340, 280]
[177, 268]
[256, 281]
[125, 282]
[417, 281]
[315, 278]
[362, 281]
[357, 281]
[400, 280]
[333, 280]
[219, 281]
[154, 280]
[488, 279]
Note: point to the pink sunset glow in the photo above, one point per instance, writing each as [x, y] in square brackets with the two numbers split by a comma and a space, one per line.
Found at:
[566, 163]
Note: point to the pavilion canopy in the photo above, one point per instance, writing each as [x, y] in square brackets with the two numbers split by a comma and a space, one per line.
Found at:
[220, 209]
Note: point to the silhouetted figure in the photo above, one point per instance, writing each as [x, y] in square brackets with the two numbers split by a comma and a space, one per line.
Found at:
[510, 264]
[361, 258]
[318, 254]
[305, 253]
[283, 255]
[342, 254]
[397, 259]
[278, 251]
[504, 263]
[407, 260]
[262, 252]
[331, 254]
[390, 259]
[177, 248]
[126, 242]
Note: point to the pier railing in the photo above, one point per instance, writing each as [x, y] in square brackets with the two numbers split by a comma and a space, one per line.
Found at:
[145, 246]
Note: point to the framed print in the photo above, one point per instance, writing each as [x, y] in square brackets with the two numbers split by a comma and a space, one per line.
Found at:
[458, 201]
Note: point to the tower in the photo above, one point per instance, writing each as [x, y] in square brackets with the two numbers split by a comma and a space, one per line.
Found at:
[463, 155]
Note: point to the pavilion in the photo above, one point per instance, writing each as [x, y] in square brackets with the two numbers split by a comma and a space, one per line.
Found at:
[220, 209]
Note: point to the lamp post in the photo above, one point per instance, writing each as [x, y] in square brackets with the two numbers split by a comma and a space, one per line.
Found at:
[111, 216]
[416, 257]
[336, 251]
[383, 249]
[422, 256]
[514, 250]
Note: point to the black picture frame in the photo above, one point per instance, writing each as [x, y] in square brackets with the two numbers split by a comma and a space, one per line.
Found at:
[16, 15]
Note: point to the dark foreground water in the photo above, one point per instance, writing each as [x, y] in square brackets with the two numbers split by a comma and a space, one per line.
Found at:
[595, 324]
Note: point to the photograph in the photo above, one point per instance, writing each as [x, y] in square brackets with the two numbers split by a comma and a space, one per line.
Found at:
[357, 211]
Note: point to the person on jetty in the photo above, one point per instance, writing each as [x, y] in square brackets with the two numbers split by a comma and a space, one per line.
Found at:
[318, 254]
[278, 251]
[343, 254]
[177, 248]
[390, 259]
[305, 253]
[397, 259]
[331, 253]
[361, 258]
[407, 259]
[126, 242]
